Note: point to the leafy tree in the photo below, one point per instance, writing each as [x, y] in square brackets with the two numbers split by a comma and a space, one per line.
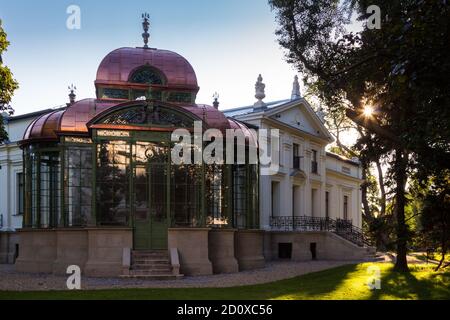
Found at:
[400, 70]
[7, 85]
[435, 217]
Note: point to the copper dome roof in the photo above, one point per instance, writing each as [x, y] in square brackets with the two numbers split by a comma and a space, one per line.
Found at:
[73, 120]
[118, 66]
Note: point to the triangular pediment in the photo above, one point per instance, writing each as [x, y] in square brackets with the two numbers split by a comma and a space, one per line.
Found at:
[300, 115]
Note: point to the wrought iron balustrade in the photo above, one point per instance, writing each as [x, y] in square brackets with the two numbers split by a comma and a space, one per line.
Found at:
[341, 227]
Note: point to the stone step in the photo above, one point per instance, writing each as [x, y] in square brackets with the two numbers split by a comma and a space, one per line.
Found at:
[151, 268]
[141, 254]
[150, 272]
[154, 277]
[150, 261]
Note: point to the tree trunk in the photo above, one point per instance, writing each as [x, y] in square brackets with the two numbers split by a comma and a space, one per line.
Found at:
[401, 159]
[382, 188]
[365, 202]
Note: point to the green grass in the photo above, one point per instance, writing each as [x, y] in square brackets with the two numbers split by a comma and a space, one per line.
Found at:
[342, 283]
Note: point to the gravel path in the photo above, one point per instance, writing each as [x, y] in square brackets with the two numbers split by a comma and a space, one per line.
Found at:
[274, 270]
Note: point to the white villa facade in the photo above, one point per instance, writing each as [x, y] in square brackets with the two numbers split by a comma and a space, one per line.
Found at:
[310, 180]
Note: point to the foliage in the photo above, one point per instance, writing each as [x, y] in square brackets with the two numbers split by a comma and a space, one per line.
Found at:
[7, 85]
[400, 70]
[435, 217]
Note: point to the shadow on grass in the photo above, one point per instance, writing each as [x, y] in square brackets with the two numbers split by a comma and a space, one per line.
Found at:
[345, 282]
[420, 283]
[309, 286]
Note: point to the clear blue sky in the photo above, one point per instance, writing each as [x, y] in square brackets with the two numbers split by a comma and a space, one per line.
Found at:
[228, 42]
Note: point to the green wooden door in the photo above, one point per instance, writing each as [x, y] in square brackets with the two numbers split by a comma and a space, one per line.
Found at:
[150, 203]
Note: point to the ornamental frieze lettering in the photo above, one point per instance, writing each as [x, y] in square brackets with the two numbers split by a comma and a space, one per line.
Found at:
[112, 133]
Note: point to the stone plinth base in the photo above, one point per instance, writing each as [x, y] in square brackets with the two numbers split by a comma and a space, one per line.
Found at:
[97, 251]
[221, 251]
[192, 245]
[8, 246]
[249, 246]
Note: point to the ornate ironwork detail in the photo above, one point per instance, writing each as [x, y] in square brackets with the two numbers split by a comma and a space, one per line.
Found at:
[115, 93]
[146, 75]
[149, 115]
[341, 227]
[185, 97]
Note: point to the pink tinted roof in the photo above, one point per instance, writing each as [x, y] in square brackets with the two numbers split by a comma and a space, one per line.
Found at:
[78, 114]
[250, 135]
[210, 115]
[72, 119]
[118, 65]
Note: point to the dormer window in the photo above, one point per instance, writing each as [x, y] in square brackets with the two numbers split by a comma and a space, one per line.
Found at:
[147, 75]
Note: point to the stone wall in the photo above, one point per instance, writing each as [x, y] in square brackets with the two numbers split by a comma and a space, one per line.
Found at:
[97, 251]
[8, 245]
[328, 246]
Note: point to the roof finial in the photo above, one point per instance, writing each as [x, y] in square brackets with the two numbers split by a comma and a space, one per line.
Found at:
[216, 100]
[296, 94]
[72, 94]
[145, 26]
[259, 94]
[321, 114]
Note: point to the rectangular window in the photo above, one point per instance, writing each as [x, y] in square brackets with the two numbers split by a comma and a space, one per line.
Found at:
[314, 165]
[49, 192]
[214, 179]
[296, 156]
[345, 207]
[20, 193]
[314, 202]
[327, 204]
[295, 201]
[240, 195]
[113, 188]
[275, 199]
[78, 186]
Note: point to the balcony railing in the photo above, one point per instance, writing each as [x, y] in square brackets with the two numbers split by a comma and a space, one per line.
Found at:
[341, 227]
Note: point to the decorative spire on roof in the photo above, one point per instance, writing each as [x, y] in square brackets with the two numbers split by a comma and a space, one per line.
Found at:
[296, 94]
[145, 26]
[72, 94]
[216, 100]
[260, 94]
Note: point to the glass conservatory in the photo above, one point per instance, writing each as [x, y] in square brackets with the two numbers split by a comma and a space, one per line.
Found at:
[101, 186]
[120, 173]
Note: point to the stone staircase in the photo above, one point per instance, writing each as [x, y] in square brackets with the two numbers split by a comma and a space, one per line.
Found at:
[152, 264]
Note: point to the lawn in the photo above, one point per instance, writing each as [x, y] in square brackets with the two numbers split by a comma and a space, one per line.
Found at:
[346, 282]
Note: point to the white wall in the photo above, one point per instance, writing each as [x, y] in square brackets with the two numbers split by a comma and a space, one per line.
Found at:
[330, 176]
[11, 163]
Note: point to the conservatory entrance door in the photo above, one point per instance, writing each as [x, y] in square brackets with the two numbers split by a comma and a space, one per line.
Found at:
[150, 186]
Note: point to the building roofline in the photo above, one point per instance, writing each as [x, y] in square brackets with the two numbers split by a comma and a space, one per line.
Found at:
[342, 158]
[35, 113]
[251, 106]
